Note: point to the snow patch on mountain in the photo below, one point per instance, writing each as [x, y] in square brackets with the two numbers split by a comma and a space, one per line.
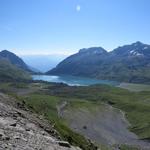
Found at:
[145, 47]
[135, 53]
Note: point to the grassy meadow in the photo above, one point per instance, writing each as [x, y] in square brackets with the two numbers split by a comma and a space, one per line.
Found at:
[47, 96]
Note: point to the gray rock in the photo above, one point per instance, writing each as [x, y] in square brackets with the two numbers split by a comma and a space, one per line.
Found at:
[22, 130]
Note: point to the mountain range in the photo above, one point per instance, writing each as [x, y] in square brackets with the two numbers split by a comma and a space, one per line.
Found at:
[12, 67]
[14, 59]
[129, 63]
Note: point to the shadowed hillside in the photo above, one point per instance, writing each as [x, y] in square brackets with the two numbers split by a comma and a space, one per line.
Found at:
[129, 63]
[9, 72]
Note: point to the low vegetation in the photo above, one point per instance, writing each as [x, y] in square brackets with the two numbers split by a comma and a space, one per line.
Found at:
[45, 100]
[136, 105]
[46, 105]
[9, 72]
[125, 147]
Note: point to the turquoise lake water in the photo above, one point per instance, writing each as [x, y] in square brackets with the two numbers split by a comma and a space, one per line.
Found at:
[73, 80]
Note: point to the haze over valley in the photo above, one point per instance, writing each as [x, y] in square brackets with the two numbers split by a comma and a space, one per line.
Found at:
[43, 63]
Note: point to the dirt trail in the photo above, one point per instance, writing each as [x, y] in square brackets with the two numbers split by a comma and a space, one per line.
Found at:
[61, 108]
[106, 125]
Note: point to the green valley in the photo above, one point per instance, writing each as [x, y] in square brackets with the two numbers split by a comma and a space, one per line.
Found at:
[56, 101]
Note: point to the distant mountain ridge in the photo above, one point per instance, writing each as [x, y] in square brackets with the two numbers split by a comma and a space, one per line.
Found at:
[9, 72]
[14, 59]
[93, 50]
[135, 49]
[12, 67]
[129, 63]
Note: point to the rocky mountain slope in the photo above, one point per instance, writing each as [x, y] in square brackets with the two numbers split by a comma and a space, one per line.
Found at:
[83, 63]
[20, 129]
[129, 63]
[9, 72]
[14, 59]
[12, 67]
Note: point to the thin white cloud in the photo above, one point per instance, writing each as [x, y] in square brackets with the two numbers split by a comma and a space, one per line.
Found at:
[78, 8]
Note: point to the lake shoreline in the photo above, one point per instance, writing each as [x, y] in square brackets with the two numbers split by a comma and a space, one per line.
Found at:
[73, 80]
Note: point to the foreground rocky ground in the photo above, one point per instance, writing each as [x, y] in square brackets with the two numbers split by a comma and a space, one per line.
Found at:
[22, 130]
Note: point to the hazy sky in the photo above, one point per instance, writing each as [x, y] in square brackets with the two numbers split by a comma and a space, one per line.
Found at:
[65, 26]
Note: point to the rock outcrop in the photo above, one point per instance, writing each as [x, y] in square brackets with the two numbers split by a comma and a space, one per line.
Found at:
[20, 129]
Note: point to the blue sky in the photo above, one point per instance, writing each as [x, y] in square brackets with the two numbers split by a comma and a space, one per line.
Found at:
[65, 26]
